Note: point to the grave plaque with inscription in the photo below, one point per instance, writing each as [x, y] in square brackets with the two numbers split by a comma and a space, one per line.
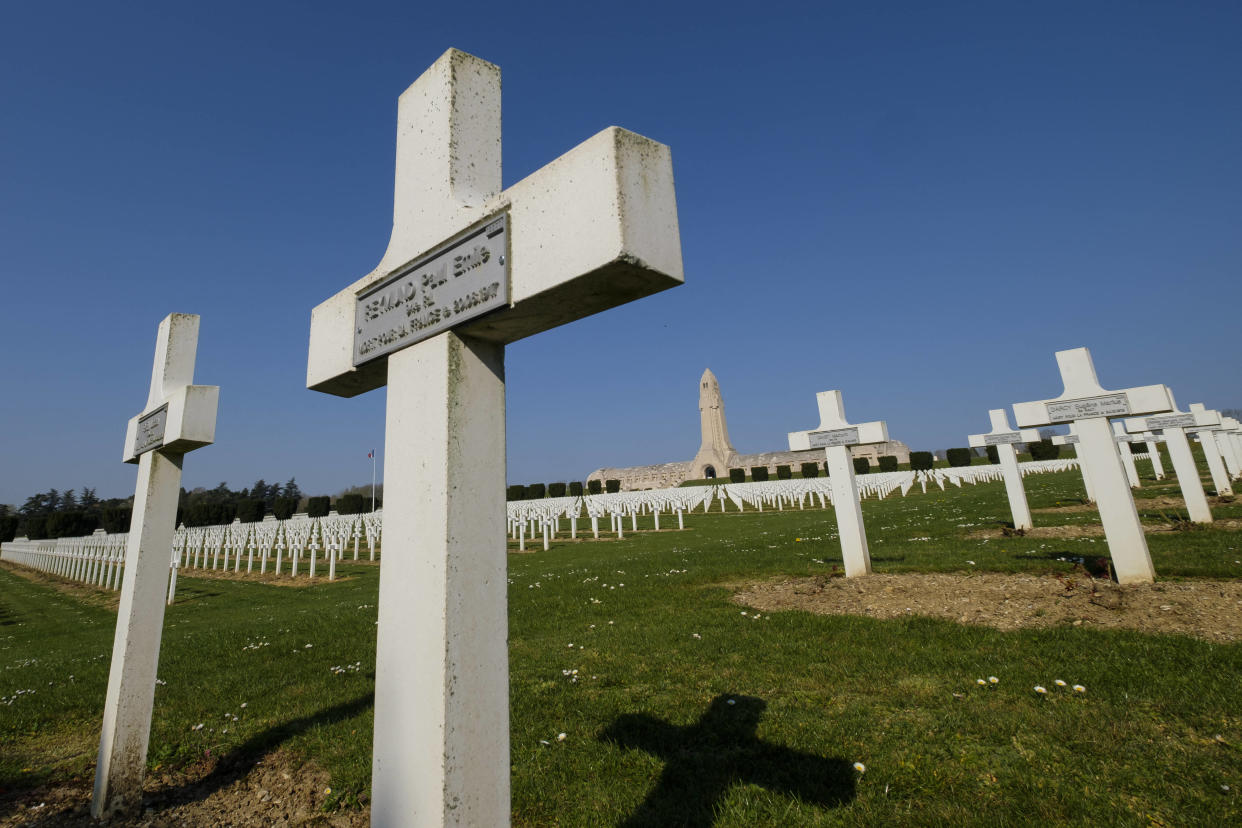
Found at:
[1112, 405]
[835, 437]
[151, 429]
[460, 280]
[998, 439]
[1172, 421]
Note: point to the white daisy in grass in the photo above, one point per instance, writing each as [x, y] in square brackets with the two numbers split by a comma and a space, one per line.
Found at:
[1059, 683]
[981, 682]
[860, 767]
[1078, 688]
[1039, 688]
[993, 680]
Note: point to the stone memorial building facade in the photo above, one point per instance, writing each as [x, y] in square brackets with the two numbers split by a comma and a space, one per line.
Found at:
[716, 453]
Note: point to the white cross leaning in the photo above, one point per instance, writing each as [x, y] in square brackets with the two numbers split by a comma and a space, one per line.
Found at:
[1086, 404]
[1003, 437]
[835, 435]
[178, 417]
[594, 229]
[1175, 426]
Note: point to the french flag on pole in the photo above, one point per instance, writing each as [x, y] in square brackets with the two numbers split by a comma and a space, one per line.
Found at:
[371, 453]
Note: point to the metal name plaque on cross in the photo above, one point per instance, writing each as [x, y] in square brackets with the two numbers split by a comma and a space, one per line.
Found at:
[1111, 405]
[836, 437]
[151, 430]
[461, 279]
[1172, 421]
[997, 439]
[1070, 439]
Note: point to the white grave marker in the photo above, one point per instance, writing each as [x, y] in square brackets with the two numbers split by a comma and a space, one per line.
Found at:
[1086, 404]
[178, 418]
[1071, 439]
[594, 229]
[1153, 451]
[1003, 437]
[1216, 444]
[1127, 454]
[835, 435]
[1174, 426]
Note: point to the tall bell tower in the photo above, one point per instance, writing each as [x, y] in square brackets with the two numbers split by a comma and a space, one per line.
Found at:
[716, 453]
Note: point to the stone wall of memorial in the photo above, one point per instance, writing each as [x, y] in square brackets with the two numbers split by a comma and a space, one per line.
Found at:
[668, 475]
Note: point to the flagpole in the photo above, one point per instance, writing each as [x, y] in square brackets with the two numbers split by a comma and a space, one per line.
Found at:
[372, 480]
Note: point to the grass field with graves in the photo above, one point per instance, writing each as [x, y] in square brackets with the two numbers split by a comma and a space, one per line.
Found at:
[642, 694]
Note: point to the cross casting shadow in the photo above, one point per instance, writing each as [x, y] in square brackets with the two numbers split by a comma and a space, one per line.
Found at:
[241, 760]
[703, 760]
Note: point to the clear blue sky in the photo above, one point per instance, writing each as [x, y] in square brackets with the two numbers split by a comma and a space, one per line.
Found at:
[916, 203]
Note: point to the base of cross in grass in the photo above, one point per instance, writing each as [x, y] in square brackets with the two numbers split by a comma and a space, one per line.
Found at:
[705, 759]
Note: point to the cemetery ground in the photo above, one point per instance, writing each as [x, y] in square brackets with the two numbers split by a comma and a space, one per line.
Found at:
[719, 675]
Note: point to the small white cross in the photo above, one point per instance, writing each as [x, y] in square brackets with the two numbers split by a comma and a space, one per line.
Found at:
[834, 429]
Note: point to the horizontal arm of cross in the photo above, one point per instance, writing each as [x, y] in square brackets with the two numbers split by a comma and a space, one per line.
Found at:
[594, 229]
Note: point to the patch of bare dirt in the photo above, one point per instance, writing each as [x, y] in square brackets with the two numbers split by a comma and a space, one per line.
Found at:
[269, 577]
[1211, 610]
[278, 790]
[1096, 530]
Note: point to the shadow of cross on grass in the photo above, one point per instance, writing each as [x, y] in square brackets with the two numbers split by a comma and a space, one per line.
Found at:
[703, 760]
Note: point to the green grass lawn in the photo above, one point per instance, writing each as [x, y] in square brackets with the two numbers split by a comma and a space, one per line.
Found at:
[681, 707]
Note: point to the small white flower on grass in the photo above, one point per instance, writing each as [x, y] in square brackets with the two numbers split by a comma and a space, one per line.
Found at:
[1039, 688]
[198, 726]
[981, 682]
[327, 790]
[972, 563]
[1059, 683]
[560, 737]
[243, 704]
[1078, 688]
[308, 646]
[544, 742]
[860, 767]
[732, 701]
[993, 680]
[696, 635]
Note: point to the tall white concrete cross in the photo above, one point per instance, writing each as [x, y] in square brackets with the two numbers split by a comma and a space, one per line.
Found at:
[1230, 441]
[1071, 439]
[592, 230]
[178, 417]
[1003, 437]
[835, 435]
[1174, 426]
[1086, 404]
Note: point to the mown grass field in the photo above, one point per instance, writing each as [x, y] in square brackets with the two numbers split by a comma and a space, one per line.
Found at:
[681, 707]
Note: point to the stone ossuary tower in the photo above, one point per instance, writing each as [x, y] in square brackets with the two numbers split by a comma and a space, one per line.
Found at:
[716, 454]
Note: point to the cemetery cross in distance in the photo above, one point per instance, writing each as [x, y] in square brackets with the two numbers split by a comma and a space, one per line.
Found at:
[469, 268]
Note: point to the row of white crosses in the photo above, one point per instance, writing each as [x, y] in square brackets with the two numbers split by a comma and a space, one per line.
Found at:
[96, 560]
[469, 268]
[1088, 406]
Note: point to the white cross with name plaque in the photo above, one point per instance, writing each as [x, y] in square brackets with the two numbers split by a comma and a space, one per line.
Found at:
[1175, 425]
[835, 435]
[1071, 439]
[1086, 404]
[1004, 437]
[178, 418]
[470, 267]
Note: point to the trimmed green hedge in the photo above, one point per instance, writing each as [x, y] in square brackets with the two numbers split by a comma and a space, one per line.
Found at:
[284, 507]
[810, 469]
[862, 465]
[959, 456]
[1044, 450]
[536, 491]
[921, 460]
[993, 454]
[575, 488]
[251, 510]
[318, 506]
[556, 490]
[737, 475]
[612, 486]
[888, 463]
[594, 486]
[758, 473]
